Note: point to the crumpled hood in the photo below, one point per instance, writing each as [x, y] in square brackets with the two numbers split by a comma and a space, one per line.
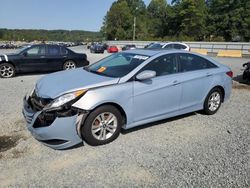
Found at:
[56, 84]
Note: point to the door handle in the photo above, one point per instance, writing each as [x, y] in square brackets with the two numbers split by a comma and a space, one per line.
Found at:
[176, 83]
[42, 56]
[209, 74]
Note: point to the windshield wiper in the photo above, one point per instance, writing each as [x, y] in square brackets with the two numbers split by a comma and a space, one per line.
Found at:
[86, 68]
[99, 73]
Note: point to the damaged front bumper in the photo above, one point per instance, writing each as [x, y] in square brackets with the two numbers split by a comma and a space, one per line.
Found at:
[58, 131]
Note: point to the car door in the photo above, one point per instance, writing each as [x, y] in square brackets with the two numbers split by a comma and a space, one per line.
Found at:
[196, 76]
[54, 58]
[159, 95]
[33, 59]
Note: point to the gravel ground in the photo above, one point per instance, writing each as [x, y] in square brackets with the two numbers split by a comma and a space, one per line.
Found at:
[192, 150]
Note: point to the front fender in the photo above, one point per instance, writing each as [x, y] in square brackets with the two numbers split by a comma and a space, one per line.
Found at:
[120, 94]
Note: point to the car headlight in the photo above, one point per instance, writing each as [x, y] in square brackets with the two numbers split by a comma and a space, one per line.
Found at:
[65, 99]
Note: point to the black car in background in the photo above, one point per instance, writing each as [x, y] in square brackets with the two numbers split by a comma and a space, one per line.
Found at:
[97, 48]
[246, 73]
[40, 58]
[128, 47]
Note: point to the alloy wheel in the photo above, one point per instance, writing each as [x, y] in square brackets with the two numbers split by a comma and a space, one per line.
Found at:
[104, 126]
[6, 71]
[214, 101]
[69, 65]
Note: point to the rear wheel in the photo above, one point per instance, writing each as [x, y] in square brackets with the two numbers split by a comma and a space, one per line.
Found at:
[69, 65]
[102, 126]
[7, 70]
[213, 101]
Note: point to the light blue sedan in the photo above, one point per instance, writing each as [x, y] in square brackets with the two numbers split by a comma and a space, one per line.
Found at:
[124, 90]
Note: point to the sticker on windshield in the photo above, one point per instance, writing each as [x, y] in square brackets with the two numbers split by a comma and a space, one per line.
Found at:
[140, 57]
[102, 69]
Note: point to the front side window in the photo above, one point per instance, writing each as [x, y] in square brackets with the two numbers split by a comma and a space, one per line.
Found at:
[179, 46]
[155, 46]
[169, 46]
[163, 65]
[36, 50]
[117, 65]
[190, 62]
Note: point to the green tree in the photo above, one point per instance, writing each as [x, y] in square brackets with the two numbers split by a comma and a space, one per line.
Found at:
[157, 18]
[189, 18]
[229, 19]
[118, 21]
[138, 9]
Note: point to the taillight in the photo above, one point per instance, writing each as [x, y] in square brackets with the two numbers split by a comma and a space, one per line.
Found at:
[230, 74]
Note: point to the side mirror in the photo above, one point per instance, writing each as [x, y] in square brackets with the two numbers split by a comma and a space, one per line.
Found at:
[25, 54]
[145, 75]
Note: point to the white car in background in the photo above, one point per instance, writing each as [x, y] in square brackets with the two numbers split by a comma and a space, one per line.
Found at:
[169, 45]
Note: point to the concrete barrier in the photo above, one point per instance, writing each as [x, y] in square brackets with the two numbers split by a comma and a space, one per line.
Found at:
[229, 53]
[200, 51]
[212, 47]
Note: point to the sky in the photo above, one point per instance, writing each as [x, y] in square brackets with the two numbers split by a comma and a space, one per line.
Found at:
[54, 14]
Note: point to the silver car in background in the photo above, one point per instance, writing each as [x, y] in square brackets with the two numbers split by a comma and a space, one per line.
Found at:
[169, 46]
[123, 90]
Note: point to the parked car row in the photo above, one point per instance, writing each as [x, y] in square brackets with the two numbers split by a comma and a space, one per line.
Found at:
[100, 48]
[8, 46]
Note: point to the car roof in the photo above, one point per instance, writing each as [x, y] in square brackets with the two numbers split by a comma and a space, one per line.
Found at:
[143, 52]
[163, 43]
[152, 52]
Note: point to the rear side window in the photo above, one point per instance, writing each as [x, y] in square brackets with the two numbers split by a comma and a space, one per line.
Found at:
[36, 50]
[53, 50]
[155, 45]
[179, 46]
[190, 62]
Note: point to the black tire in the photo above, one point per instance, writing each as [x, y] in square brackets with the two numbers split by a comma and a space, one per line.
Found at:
[209, 108]
[87, 128]
[69, 64]
[7, 70]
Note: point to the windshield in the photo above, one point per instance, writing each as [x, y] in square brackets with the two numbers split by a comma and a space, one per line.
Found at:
[22, 48]
[117, 65]
[155, 46]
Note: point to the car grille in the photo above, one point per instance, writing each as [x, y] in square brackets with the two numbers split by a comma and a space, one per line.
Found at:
[54, 141]
[28, 118]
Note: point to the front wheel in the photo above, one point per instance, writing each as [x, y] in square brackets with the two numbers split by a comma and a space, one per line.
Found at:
[102, 126]
[69, 65]
[213, 101]
[7, 70]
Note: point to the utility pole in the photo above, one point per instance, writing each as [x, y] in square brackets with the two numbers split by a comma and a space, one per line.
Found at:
[134, 28]
[134, 23]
